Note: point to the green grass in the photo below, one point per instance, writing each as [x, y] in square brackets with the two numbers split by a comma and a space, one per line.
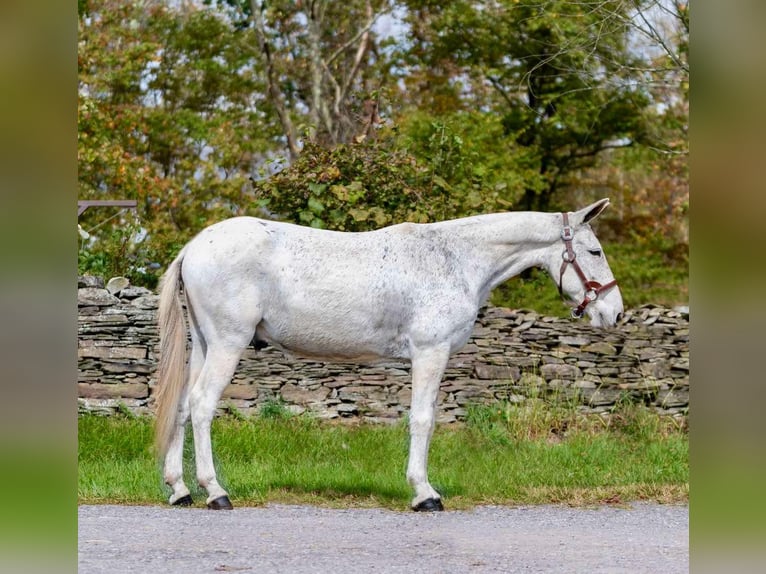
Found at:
[502, 455]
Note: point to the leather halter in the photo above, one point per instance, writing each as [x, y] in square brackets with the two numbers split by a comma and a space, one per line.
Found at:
[592, 288]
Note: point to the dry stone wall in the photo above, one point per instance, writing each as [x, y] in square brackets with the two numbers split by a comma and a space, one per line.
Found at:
[513, 355]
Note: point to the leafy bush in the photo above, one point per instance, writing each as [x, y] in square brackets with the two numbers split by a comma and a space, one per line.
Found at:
[352, 187]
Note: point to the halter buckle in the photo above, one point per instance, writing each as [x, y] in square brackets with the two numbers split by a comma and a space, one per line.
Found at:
[567, 234]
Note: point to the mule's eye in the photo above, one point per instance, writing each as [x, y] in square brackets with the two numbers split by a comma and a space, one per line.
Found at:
[595, 252]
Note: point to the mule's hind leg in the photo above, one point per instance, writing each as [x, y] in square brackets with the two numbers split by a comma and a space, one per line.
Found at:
[173, 471]
[427, 370]
[220, 363]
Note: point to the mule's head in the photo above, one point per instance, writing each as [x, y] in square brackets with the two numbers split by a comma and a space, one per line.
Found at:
[578, 265]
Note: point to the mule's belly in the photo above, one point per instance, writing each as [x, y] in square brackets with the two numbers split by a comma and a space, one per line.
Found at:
[316, 336]
[332, 326]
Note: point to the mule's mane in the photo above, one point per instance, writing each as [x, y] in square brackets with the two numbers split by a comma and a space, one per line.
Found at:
[507, 227]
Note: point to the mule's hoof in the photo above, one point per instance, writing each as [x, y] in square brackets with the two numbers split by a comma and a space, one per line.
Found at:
[220, 503]
[429, 505]
[184, 501]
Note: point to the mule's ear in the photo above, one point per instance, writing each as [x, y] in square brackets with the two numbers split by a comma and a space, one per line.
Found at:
[586, 214]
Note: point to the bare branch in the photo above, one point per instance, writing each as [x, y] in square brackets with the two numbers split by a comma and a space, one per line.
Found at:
[360, 52]
[276, 96]
[650, 30]
[372, 18]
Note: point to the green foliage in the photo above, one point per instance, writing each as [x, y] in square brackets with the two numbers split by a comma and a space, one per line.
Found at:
[114, 251]
[474, 108]
[467, 154]
[352, 187]
[426, 169]
[535, 291]
[647, 275]
[166, 116]
[274, 409]
[558, 74]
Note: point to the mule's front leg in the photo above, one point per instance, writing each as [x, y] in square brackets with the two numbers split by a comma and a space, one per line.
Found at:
[427, 370]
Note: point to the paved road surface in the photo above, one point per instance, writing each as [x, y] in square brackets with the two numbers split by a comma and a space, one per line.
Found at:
[645, 537]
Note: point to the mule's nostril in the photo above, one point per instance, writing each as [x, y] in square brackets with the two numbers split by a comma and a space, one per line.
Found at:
[619, 317]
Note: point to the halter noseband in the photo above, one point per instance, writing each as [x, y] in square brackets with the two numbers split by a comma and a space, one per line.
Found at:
[592, 288]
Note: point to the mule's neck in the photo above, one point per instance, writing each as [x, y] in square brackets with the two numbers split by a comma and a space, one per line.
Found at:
[509, 243]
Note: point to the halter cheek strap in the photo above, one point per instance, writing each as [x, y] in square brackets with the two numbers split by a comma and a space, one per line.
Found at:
[592, 288]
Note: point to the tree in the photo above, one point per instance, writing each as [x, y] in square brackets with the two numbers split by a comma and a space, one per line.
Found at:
[169, 114]
[548, 69]
[322, 63]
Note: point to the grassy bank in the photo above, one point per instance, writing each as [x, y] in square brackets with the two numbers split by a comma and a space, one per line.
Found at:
[502, 455]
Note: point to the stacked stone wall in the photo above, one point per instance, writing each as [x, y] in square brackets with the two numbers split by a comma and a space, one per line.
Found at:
[513, 355]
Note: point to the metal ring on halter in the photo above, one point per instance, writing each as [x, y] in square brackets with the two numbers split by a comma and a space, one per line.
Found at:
[591, 299]
[565, 256]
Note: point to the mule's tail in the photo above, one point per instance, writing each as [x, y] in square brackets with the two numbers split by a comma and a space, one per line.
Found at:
[171, 370]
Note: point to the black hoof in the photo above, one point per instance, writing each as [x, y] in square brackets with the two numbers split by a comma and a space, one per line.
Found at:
[184, 501]
[220, 503]
[429, 505]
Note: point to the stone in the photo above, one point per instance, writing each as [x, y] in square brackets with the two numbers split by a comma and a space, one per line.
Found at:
[483, 371]
[241, 392]
[127, 367]
[680, 364]
[346, 409]
[404, 396]
[645, 385]
[112, 391]
[109, 316]
[131, 292]
[557, 384]
[602, 396]
[600, 348]
[531, 380]
[524, 326]
[650, 354]
[117, 284]
[90, 281]
[292, 393]
[146, 302]
[295, 409]
[94, 296]
[574, 341]
[656, 369]
[673, 397]
[585, 384]
[92, 349]
[560, 371]
[526, 362]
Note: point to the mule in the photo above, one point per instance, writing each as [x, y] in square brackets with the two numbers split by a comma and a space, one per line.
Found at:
[408, 291]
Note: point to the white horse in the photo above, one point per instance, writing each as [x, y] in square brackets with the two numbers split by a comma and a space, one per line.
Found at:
[408, 291]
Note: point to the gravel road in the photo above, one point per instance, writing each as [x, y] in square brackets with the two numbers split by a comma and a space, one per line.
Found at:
[644, 537]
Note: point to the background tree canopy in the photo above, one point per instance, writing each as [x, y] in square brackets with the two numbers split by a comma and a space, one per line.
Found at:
[364, 113]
